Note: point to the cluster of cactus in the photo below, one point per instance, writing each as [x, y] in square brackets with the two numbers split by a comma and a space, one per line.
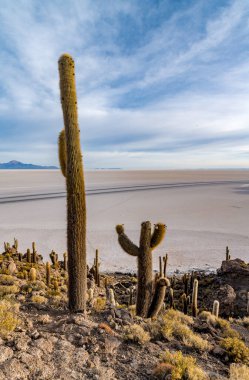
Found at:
[71, 166]
[148, 242]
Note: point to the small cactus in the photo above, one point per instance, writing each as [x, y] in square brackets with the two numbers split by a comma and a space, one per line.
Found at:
[171, 298]
[165, 261]
[216, 306]
[194, 298]
[28, 256]
[185, 280]
[48, 274]
[32, 274]
[97, 264]
[112, 297]
[228, 256]
[185, 304]
[15, 244]
[148, 241]
[65, 262]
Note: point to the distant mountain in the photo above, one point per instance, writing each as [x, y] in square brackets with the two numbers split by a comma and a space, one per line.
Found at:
[19, 165]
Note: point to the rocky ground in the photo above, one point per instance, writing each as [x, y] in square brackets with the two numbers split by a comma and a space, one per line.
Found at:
[41, 340]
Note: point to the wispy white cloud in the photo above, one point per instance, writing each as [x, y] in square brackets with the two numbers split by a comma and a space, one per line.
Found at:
[155, 84]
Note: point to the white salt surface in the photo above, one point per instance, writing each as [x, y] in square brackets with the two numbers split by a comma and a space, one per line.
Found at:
[204, 212]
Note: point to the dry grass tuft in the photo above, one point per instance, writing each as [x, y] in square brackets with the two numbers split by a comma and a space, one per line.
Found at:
[8, 317]
[7, 279]
[239, 372]
[179, 367]
[136, 333]
[99, 304]
[236, 349]
[39, 299]
[219, 323]
[175, 324]
[8, 289]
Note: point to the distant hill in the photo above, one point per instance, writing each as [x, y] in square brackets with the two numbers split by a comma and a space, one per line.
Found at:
[20, 165]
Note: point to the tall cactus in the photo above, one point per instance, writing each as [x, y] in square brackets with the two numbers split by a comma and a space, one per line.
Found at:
[148, 241]
[72, 169]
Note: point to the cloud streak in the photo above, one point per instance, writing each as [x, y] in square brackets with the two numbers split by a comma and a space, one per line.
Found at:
[156, 84]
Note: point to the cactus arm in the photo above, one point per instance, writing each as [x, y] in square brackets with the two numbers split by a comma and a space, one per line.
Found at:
[158, 299]
[125, 243]
[158, 235]
[62, 152]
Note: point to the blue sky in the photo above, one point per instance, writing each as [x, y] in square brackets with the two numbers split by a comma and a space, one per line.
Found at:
[161, 84]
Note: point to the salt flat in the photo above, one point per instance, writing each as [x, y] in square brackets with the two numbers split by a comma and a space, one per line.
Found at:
[204, 211]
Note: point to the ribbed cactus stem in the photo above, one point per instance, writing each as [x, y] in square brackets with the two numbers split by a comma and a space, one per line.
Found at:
[20, 256]
[48, 276]
[247, 303]
[32, 274]
[76, 204]
[216, 306]
[194, 298]
[159, 296]
[165, 261]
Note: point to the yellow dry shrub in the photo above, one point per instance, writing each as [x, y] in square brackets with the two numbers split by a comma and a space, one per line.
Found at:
[236, 349]
[39, 299]
[239, 372]
[136, 333]
[99, 304]
[175, 324]
[8, 289]
[179, 367]
[8, 317]
[222, 324]
[7, 279]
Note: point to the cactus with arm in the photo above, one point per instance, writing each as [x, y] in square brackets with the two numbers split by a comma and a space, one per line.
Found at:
[148, 242]
[71, 166]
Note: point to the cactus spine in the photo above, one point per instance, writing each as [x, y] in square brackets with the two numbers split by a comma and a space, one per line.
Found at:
[148, 241]
[216, 306]
[76, 205]
[194, 298]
